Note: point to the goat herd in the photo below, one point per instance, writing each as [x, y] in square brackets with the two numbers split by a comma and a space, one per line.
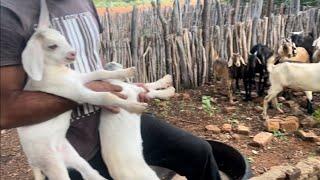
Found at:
[296, 65]
[48, 151]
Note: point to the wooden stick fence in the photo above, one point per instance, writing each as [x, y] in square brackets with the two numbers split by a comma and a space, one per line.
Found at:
[183, 40]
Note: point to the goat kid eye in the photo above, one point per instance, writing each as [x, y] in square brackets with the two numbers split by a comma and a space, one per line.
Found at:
[53, 47]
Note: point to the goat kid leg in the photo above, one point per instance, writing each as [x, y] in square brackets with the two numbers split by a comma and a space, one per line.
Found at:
[229, 87]
[260, 85]
[37, 174]
[309, 102]
[103, 74]
[109, 99]
[272, 93]
[276, 105]
[55, 169]
[162, 83]
[162, 94]
[245, 83]
[73, 160]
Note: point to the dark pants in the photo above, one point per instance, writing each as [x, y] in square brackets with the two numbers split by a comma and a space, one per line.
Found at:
[169, 147]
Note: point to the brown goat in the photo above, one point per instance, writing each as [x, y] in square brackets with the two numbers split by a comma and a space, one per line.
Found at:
[289, 52]
[226, 71]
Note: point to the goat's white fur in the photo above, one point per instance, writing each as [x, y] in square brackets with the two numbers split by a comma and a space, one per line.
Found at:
[316, 43]
[120, 134]
[297, 76]
[316, 53]
[45, 144]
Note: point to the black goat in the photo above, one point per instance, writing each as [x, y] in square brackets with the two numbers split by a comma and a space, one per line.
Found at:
[237, 66]
[257, 63]
[304, 41]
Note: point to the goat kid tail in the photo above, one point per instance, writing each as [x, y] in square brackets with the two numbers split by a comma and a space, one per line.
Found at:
[270, 63]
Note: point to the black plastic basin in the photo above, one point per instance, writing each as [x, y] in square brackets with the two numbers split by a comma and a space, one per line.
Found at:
[230, 161]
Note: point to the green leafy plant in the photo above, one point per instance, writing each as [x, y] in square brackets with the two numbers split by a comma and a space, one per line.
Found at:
[206, 105]
[279, 105]
[316, 115]
[280, 135]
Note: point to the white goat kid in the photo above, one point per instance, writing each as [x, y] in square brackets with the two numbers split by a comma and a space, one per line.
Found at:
[45, 144]
[120, 134]
[298, 76]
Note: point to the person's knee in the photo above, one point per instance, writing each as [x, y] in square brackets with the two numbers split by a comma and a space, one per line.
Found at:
[205, 147]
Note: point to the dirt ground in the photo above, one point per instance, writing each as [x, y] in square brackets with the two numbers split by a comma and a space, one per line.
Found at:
[186, 112]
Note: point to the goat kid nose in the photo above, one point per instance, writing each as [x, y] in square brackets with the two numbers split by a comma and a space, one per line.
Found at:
[71, 55]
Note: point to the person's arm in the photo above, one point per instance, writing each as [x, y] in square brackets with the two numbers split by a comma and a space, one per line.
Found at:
[20, 108]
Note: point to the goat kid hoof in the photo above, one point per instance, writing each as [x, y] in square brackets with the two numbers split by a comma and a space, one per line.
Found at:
[233, 103]
[137, 107]
[130, 72]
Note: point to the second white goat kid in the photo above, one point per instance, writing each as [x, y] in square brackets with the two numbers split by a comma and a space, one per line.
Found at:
[45, 144]
[120, 134]
[298, 76]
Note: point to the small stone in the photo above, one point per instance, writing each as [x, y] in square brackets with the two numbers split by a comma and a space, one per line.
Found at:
[262, 139]
[215, 129]
[307, 136]
[289, 124]
[273, 124]
[176, 95]
[316, 139]
[3, 131]
[296, 110]
[235, 137]
[255, 152]
[298, 93]
[289, 103]
[293, 173]
[243, 130]
[226, 128]
[186, 96]
[258, 109]
[229, 109]
[308, 122]
[317, 150]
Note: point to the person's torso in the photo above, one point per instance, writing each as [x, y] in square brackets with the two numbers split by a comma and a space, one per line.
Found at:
[78, 22]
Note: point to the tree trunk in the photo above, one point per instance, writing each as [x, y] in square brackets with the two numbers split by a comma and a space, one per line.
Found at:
[134, 36]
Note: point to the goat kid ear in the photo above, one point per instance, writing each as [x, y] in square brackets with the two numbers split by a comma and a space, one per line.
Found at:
[230, 62]
[259, 61]
[242, 61]
[33, 58]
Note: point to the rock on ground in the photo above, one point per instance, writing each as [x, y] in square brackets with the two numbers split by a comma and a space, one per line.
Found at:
[262, 139]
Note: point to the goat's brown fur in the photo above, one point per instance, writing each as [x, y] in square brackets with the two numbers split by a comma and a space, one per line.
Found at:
[288, 52]
[221, 71]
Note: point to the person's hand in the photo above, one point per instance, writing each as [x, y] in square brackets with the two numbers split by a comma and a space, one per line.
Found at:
[102, 86]
[142, 97]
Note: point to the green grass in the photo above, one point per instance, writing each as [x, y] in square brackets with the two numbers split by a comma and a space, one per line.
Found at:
[316, 115]
[123, 3]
